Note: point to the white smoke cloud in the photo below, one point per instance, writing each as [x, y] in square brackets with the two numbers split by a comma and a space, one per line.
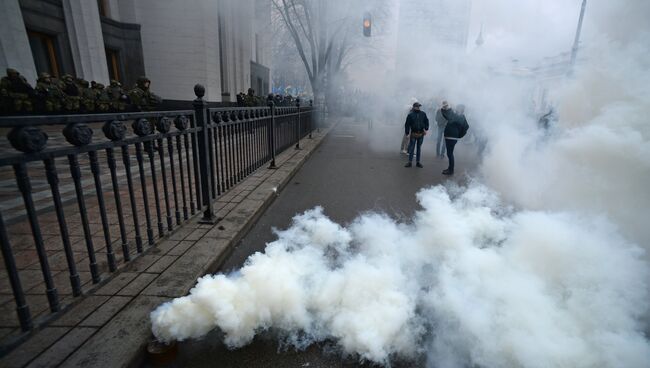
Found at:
[470, 281]
[597, 157]
[542, 261]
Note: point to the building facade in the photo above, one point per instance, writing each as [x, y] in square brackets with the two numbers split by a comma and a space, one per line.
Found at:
[218, 43]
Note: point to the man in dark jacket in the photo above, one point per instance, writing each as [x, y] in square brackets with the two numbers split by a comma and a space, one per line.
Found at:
[417, 125]
[456, 129]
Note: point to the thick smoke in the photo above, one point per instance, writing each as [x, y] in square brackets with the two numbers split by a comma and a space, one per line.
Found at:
[542, 261]
[597, 156]
[470, 281]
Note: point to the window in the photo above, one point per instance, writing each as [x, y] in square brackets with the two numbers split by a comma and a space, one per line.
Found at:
[113, 63]
[103, 8]
[45, 51]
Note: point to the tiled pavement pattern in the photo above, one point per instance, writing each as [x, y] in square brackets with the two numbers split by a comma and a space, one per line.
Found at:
[22, 241]
[109, 326]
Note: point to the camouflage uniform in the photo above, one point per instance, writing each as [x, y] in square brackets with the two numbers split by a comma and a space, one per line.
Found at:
[72, 94]
[15, 93]
[102, 101]
[50, 97]
[117, 96]
[250, 99]
[87, 95]
[142, 98]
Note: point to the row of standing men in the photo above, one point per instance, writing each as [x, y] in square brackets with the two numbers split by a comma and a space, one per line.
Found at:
[451, 127]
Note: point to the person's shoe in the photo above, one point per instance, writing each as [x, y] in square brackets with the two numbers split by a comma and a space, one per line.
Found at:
[408, 164]
[447, 172]
[404, 152]
[419, 165]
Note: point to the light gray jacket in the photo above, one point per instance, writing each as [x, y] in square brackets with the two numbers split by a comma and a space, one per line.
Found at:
[442, 122]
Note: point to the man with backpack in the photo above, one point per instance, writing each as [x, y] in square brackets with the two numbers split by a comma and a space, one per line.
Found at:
[416, 127]
[456, 129]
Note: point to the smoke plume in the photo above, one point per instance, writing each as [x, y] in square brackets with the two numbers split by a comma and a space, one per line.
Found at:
[541, 261]
[470, 281]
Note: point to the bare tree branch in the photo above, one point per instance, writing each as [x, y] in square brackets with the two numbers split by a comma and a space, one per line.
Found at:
[296, 37]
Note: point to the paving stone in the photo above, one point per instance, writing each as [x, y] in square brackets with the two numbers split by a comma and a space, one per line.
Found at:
[262, 194]
[35, 345]
[106, 311]
[116, 284]
[63, 348]
[141, 263]
[5, 331]
[229, 227]
[181, 248]
[37, 304]
[121, 340]
[250, 207]
[80, 311]
[179, 278]
[161, 264]
[237, 199]
[196, 234]
[229, 206]
[138, 284]
[164, 247]
[28, 278]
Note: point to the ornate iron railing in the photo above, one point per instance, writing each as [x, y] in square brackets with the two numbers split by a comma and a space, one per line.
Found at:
[129, 179]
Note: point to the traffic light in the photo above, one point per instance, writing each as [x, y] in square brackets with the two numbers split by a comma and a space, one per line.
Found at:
[367, 24]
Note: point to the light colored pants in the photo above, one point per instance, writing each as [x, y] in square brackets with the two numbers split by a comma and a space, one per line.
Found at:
[440, 142]
[405, 143]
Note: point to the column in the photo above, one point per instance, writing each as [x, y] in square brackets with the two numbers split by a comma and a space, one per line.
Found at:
[15, 51]
[86, 40]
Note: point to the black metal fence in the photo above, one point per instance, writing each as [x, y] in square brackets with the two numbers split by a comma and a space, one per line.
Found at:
[114, 184]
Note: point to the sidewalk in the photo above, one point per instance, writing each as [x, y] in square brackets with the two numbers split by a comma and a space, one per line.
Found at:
[109, 327]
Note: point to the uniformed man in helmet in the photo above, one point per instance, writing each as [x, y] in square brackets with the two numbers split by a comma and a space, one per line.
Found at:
[142, 98]
[15, 93]
[49, 95]
[72, 94]
[102, 101]
[117, 96]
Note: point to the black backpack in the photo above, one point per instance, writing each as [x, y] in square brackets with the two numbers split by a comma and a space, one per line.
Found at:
[464, 127]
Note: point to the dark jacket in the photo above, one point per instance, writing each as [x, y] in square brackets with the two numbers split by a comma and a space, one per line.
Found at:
[456, 124]
[416, 122]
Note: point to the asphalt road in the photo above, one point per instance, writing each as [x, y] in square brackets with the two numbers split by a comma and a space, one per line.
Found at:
[356, 169]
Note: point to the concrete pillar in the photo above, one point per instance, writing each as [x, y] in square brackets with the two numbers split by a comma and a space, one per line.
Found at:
[114, 10]
[227, 49]
[127, 11]
[15, 51]
[86, 40]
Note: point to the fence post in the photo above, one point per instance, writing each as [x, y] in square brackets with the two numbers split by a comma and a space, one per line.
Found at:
[204, 155]
[299, 132]
[22, 309]
[271, 134]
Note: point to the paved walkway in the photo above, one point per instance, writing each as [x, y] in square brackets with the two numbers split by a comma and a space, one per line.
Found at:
[110, 325]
